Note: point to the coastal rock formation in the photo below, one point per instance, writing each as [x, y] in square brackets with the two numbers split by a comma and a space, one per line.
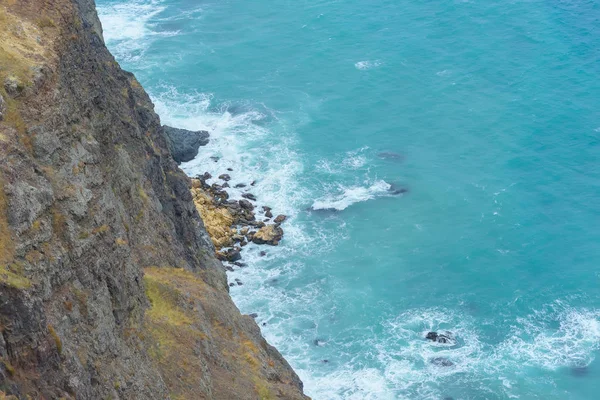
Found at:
[109, 284]
[184, 144]
[269, 234]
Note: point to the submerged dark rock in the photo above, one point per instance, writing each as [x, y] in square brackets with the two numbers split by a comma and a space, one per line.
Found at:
[249, 196]
[442, 362]
[184, 144]
[440, 338]
[397, 189]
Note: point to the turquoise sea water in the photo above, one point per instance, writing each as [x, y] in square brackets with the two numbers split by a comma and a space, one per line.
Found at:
[494, 108]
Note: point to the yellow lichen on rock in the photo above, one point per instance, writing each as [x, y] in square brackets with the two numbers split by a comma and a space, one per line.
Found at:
[217, 220]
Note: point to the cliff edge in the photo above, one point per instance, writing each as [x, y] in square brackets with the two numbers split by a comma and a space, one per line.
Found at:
[109, 285]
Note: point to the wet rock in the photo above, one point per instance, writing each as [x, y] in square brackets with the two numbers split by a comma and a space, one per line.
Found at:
[232, 284]
[214, 158]
[246, 205]
[264, 324]
[240, 264]
[440, 338]
[240, 185]
[269, 234]
[324, 361]
[280, 218]
[396, 189]
[253, 315]
[319, 342]
[230, 255]
[229, 169]
[225, 177]
[225, 185]
[249, 196]
[252, 183]
[2, 107]
[262, 253]
[269, 214]
[442, 362]
[244, 231]
[184, 144]
[580, 371]
[260, 224]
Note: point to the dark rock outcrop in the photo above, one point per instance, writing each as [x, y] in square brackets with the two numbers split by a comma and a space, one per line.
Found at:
[184, 144]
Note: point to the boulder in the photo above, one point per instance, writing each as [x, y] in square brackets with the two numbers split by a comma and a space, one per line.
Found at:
[269, 234]
[240, 185]
[246, 205]
[230, 255]
[184, 144]
[440, 338]
[225, 177]
[279, 219]
[269, 214]
[249, 196]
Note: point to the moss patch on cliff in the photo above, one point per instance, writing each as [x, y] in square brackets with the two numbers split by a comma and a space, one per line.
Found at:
[170, 326]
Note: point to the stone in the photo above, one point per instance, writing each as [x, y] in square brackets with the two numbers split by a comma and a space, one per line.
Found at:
[249, 196]
[2, 107]
[442, 362]
[246, 205]
[280, 218]
[253, 315]
[184, 144]
[244, 231]
[229, 169]
[269, 214]
[232, 284]
[225, 177]
[252, 183]
[262, 253]
[269, 234]
[215, 158]
[440, 338]
[240, 185]
[230, 255]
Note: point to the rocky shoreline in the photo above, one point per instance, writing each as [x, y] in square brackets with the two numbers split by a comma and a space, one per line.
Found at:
[233, 224]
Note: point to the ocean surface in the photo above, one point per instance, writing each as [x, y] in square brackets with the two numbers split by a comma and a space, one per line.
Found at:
[486, 112]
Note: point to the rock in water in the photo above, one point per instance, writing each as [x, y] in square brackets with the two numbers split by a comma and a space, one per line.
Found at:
[442, 362]
[184, 144]
[270, 234]
[279, 219]
[440, 338]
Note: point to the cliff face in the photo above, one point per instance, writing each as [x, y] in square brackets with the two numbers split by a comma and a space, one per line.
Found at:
[109, 286]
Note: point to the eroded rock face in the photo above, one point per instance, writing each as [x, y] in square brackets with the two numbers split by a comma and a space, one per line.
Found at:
[184, 144]
[2, 107]
[97, 227]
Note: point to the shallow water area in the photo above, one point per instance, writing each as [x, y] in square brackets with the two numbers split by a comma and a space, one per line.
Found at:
[485, 114]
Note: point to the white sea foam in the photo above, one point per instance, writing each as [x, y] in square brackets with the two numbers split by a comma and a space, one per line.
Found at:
[346, 196]
[364, 65]
[129, 29]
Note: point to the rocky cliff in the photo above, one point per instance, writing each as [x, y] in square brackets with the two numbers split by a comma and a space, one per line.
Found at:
[109, 285]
